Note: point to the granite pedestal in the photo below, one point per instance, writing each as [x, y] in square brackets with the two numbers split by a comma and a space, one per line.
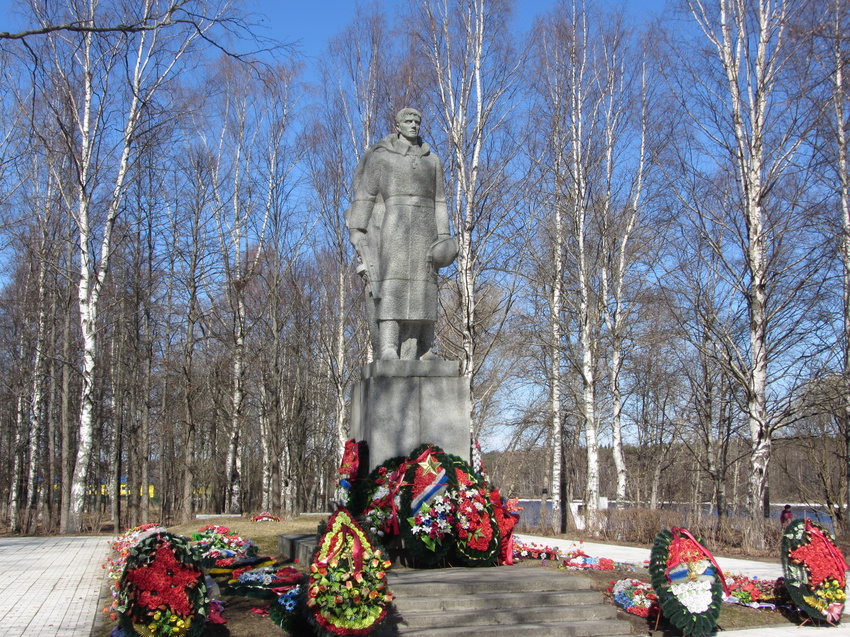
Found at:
[398, 405]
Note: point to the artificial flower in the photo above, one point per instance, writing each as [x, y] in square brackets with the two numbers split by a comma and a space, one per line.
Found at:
[634, 596]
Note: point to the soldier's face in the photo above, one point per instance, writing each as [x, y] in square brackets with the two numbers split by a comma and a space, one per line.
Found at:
[408, 128]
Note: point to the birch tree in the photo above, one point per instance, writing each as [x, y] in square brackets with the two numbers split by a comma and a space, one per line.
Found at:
[593, 164]
[747, 115]
[826, 31]
[97, 83]
[250, 170]
[552, 115]
[472, 70]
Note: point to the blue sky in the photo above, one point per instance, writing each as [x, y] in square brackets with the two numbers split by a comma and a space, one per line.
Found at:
[313, 22]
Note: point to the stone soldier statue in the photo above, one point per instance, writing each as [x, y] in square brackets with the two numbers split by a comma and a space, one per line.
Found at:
[399, 225]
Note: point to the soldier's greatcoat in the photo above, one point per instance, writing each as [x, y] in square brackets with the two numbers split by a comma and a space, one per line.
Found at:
[406, 182]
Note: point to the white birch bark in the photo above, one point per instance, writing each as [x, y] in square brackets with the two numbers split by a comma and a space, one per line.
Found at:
[17, 443]
[616, 239]
[233, 465]
[266, 450]
[555, 335]
[579, 220]
[36, 403]
[839, 97]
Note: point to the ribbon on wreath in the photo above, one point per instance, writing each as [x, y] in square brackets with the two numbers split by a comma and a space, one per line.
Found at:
[435, 487]
[345, 533]
[675, 555]
[395, 482]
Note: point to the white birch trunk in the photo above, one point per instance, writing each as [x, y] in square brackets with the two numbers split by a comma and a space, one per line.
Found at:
[36, 404]
[459, 34]
[580, 215]
[615, 318]
[267, 452]
[839, 109]
[556, 308]
[233, 465]
[17, 469]
[145, 78]
[288, 473]
[65, 408]
[747, 41]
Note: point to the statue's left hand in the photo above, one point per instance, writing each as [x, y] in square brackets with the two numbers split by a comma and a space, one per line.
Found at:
[357, 237]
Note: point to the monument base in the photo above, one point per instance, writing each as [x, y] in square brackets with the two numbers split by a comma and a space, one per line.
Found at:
[398, 405]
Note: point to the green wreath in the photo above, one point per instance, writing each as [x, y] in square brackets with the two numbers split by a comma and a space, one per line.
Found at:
[476, 528]
[379, 522]
[363, 491]
[433, 512]
[347, 592]
[162, 590]
[674, 601]
[814, 570]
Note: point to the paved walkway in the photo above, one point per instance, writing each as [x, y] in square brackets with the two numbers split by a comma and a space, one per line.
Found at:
[765, 570]
[49, 586]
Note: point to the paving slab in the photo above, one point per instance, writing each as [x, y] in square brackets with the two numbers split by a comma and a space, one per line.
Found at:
[50, 585]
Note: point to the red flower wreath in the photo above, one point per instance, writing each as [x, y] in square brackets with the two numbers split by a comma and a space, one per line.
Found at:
[819, 558]
[164, 582]
[350, 460]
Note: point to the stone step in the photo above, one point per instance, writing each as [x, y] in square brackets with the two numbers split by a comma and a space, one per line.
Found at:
[548, 629]
[549, 599]
[466, 581]
[494, 601]
[531, 614]
[499, 600]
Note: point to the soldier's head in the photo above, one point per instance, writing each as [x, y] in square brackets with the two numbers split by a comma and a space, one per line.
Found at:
[407, 123]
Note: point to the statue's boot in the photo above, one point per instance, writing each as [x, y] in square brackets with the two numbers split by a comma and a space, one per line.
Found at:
[425, 351]
[389, 340]
[409, 332]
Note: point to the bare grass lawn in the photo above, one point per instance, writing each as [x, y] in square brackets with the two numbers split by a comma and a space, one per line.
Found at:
[243, 622]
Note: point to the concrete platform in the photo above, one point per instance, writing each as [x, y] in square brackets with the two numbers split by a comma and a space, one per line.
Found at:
[398, 405]
[50, 585]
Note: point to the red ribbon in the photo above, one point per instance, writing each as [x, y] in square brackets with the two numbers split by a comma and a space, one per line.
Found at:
[356, 549]
[675, 554]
